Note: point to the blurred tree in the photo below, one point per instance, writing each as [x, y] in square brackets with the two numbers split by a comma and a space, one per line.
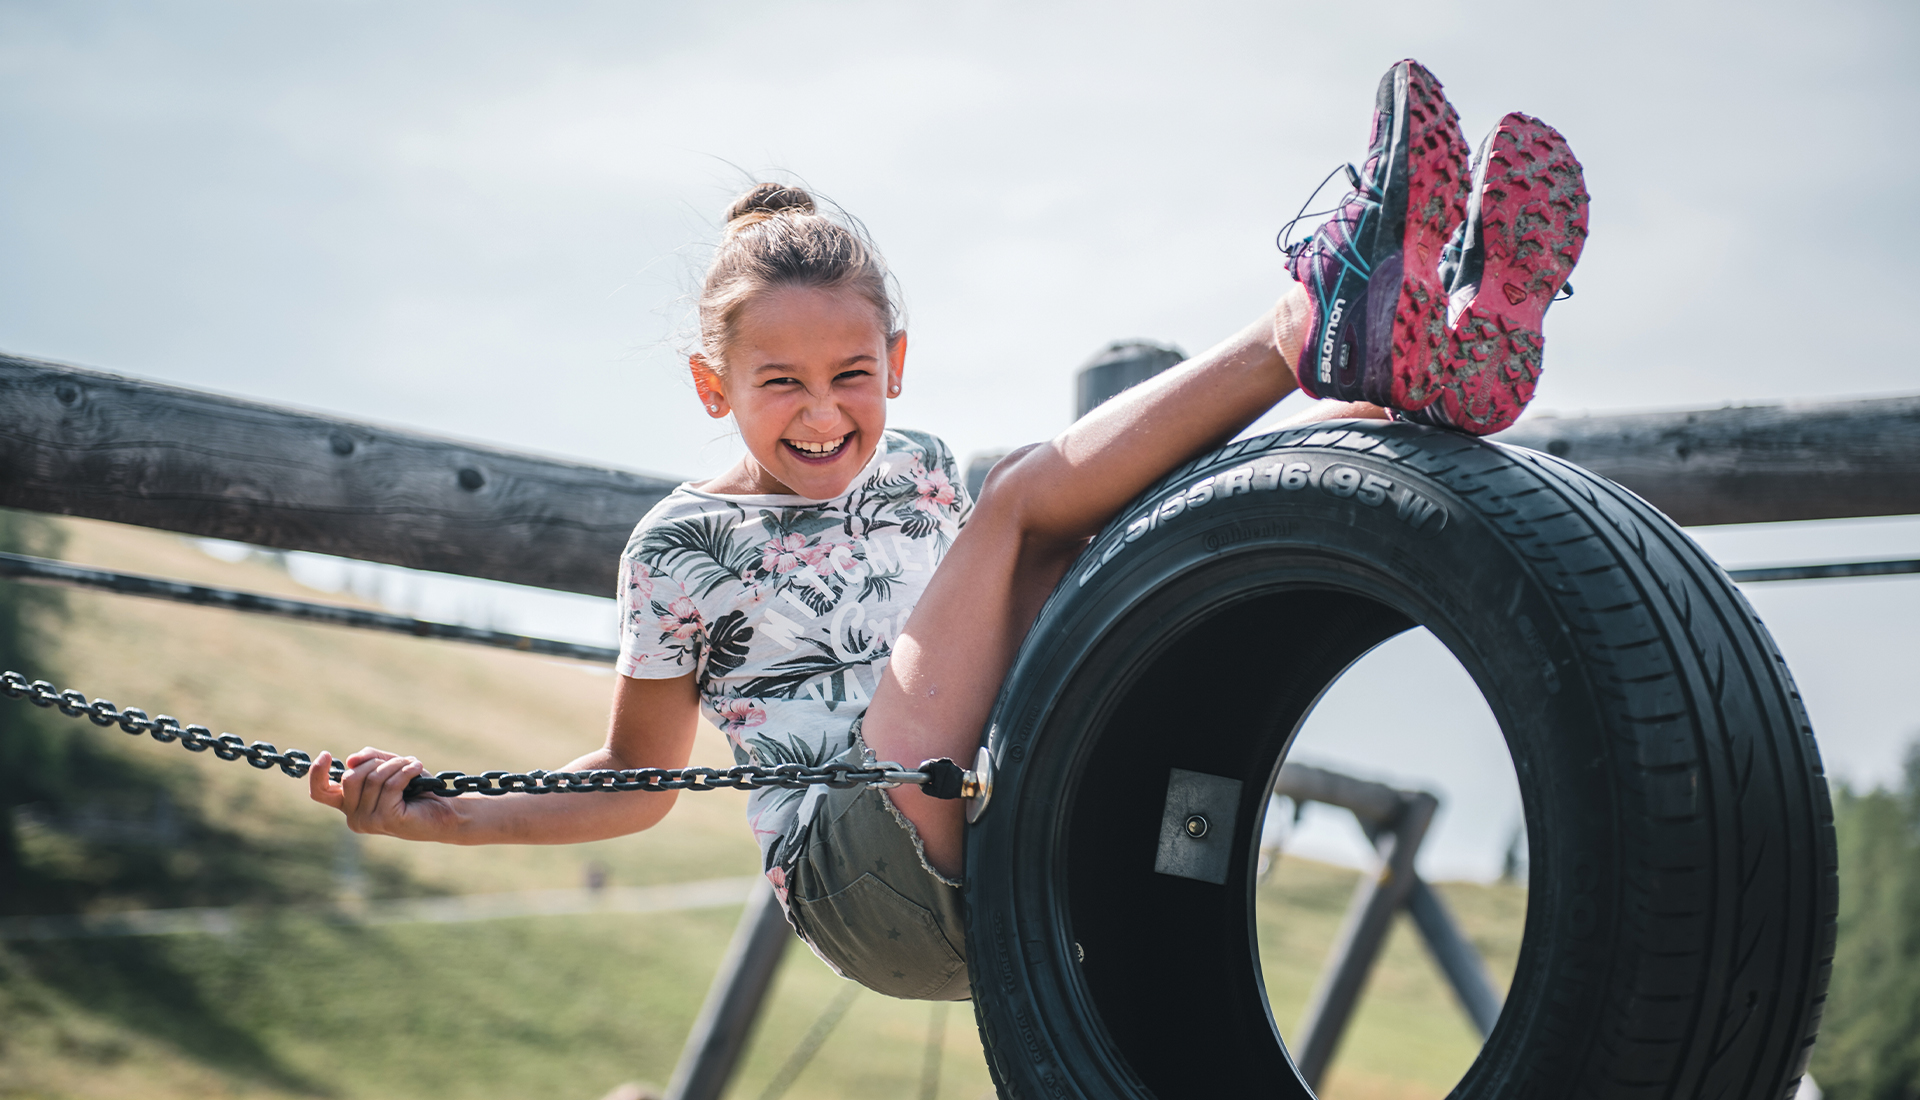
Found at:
[1869, 1045]
[30, 760]
[86, 821]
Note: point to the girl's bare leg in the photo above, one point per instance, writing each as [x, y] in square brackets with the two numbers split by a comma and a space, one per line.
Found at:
[1036, 513]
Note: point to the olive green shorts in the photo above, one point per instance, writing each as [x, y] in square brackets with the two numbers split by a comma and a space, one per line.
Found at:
[864, 899]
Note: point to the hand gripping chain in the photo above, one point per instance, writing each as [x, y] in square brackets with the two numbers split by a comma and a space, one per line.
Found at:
[940, 778]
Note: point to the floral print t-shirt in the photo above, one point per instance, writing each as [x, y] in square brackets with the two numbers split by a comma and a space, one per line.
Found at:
[786, 610]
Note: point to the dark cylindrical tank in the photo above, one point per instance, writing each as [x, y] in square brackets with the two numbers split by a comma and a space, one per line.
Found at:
[1119, 365]
[1123, 364]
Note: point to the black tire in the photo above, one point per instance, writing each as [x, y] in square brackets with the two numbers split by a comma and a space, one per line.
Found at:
[1680, 919]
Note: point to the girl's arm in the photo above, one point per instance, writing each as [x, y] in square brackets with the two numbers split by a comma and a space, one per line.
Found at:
[652, 726]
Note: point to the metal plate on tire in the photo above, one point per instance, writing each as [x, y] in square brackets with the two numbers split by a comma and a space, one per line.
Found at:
[1196, 827]
[983, 784]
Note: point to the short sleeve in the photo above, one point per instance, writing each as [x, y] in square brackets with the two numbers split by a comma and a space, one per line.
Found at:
[963, 500]
[659, 624]
[933, 454]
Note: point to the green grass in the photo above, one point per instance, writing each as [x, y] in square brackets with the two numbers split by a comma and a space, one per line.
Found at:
[561, 1007]
[535, 1008]
[569, 1007]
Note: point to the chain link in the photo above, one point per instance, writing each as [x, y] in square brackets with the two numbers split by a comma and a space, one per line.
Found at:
[936, 777]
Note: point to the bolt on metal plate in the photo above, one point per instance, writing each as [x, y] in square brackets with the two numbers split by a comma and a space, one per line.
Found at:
[1196, 827]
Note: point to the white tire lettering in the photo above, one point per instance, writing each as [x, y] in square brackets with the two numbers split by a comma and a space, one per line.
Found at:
[1373, 490]
[1201, 492]
[1414, 510]
[1340, 481]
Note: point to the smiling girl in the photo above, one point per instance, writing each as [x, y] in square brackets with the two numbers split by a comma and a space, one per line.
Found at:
[835, 596]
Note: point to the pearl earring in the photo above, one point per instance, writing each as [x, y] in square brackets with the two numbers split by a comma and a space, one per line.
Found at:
[713, 408]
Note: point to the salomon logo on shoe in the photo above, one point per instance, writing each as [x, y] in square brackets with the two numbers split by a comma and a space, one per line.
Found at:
[1327, 341]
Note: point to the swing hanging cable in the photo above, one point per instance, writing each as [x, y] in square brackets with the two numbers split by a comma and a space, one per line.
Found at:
[46, 571]
[939, 778]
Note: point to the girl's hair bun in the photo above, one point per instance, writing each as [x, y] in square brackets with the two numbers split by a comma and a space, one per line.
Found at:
[777, 236]
[763, 202]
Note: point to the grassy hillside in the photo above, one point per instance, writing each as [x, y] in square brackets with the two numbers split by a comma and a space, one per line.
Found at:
[561, 1007]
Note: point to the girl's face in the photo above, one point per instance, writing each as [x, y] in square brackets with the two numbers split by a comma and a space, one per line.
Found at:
[808, 376]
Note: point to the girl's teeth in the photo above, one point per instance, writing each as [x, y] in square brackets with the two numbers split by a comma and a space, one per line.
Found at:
[817, 448]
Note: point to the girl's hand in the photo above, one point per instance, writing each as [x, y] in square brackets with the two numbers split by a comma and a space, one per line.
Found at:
[372, 796]
[653, 727]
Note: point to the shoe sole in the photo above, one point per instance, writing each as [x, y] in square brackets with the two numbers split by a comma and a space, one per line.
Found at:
[1436, 198]
[1533, 225]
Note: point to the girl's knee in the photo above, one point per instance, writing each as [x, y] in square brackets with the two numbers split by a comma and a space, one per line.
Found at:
[1017, 501]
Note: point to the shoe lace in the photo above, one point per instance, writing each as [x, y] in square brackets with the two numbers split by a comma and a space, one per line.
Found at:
[1357, 187]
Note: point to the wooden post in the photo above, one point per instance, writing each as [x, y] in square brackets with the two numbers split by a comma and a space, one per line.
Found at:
[1396, 821]
[739, 991]
[1466, 971]
[1369, 918]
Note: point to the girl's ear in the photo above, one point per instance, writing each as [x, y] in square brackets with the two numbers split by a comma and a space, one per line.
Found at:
[896, 362]
[707, 383]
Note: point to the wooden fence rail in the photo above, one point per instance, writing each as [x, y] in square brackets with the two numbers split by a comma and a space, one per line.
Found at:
[1757, 464]
[83, 443]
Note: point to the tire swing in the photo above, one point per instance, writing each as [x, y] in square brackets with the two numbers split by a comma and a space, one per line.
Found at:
[1682, 898]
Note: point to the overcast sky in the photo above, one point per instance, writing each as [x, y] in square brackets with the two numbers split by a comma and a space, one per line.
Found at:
[483, 219]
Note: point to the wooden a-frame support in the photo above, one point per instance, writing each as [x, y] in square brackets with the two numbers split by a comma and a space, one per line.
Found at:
[1394, 820]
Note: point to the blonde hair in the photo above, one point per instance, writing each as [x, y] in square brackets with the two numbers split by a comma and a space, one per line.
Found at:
[776, 237]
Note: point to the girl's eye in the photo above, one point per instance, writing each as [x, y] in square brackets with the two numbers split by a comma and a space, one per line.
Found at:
[852, 375]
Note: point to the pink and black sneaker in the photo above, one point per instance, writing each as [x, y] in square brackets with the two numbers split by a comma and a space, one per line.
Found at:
[1526, 223]
[1371, 270]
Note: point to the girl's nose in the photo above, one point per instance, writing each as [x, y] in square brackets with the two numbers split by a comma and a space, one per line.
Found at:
[822, 411]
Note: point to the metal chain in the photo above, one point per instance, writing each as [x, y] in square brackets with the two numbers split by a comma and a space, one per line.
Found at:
[939, 778]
